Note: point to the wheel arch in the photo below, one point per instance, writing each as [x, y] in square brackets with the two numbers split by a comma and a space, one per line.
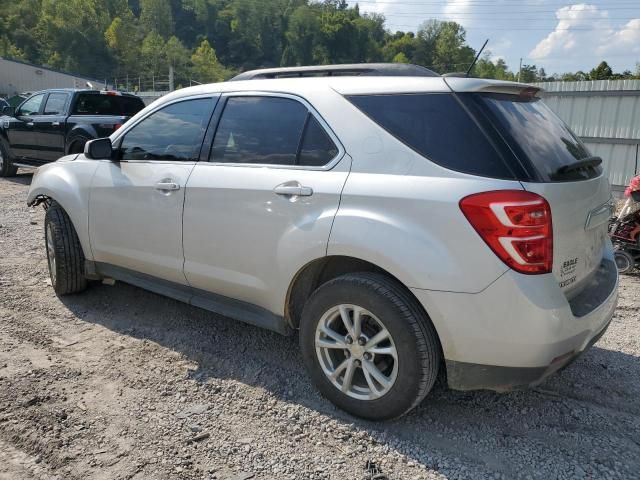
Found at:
[53, 183]
[77, 132]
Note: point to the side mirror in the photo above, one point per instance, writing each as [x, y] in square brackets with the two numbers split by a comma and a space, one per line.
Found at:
[99, 149]
[9, 111]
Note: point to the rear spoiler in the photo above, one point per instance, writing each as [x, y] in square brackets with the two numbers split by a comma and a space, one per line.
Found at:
[479, 85]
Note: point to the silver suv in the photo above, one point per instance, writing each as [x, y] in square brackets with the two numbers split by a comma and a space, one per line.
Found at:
[407, 224]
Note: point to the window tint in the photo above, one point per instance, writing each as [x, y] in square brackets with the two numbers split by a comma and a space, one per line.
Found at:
[437, 127]
[31, 106]
[537, 135]
[172, 133]
[317, 148]
[262, 130]
[102, 104]
[55, 104]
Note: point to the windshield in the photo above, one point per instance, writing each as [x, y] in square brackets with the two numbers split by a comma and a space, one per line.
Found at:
[538, 136]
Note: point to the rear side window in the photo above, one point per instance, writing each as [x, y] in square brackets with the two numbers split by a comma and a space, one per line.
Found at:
[437, 127]
[55, 104]
[102, 104]
[537, 135]
[270, 131]
[173, 133]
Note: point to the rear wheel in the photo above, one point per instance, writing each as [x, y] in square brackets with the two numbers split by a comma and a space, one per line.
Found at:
[624, 261]
[7, 169]
[368, 346]
[77, 144]
[64, 253]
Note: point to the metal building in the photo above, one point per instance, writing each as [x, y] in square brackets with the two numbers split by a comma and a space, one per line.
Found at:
[17, 77]
[606, 115]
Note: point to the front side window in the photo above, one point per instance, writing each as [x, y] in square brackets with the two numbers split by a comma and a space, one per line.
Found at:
[270, 131]
[173, 133]
[31, 106]
[55, 104]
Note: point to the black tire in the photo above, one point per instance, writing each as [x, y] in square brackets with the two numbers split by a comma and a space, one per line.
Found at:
[624, 261]
[67, 268]
[76, 144]
[415, 338]
[7, 169]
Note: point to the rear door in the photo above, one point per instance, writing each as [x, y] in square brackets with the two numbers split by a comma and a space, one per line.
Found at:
[263, 205]
[567, 175]
[20, 133]
[135, 210]
[49, 126]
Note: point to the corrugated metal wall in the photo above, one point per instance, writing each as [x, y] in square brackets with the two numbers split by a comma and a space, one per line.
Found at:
[18, 77]
[606, 115]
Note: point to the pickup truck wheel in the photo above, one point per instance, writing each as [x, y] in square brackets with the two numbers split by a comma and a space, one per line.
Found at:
[77, 144]
[7, 169]
[64, 253]
[368, 346]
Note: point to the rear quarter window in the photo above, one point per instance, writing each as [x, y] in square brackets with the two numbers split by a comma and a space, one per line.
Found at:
[100, 104]
[439, 128]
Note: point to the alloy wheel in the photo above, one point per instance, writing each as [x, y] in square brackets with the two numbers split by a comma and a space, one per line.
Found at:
[356, 352]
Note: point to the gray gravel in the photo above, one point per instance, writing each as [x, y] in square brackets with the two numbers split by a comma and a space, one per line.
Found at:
[121, 383]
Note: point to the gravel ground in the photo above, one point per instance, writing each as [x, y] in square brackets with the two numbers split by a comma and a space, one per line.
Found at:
[121, 383]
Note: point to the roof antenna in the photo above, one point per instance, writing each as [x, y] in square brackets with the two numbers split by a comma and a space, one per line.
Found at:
[475, 60]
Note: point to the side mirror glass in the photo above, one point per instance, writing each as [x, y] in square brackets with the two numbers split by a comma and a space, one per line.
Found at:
[99, 149]
[9, 111]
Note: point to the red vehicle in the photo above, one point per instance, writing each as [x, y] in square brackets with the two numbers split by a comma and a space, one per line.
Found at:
[625, 230]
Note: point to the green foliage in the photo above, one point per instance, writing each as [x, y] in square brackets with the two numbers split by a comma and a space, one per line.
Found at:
[206, 65]
[205, 40]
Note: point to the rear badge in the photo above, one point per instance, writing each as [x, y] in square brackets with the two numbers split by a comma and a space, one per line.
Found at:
[568, 269]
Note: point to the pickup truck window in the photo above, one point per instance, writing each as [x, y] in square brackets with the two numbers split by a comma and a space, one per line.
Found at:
[55, 104]
[99, 104]
[31, 106]
[173, 133]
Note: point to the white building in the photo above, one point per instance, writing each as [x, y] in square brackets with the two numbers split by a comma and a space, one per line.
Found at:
[17, 77]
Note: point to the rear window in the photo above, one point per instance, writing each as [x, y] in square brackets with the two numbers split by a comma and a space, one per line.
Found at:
[437, 127]
[536, 135]
[100, 104]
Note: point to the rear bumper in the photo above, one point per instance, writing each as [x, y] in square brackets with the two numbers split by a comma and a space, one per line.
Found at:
[471, 376]
[519, 330]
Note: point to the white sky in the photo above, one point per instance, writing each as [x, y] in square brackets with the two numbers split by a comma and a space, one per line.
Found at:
[560, 36]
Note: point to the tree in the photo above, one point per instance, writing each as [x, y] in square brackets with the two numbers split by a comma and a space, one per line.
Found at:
[528, 74]
[177, 57]
[206, 67]
[400, 58]
[156, 16]
[601, 72]
[123, 39]
[154, 60]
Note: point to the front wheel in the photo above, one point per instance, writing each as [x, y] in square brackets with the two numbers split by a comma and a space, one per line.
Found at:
[368, 346]
[7, 169]
[64, 252]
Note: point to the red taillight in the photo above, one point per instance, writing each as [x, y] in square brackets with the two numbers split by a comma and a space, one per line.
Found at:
[116, 126]
[516, 225]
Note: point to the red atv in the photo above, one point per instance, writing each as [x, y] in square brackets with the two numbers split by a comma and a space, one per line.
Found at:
[624, 230]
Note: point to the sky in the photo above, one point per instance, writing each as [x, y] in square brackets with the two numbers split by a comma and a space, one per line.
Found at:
[560, 36]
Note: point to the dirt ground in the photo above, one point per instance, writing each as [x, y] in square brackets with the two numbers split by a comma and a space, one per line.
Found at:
[120, 383]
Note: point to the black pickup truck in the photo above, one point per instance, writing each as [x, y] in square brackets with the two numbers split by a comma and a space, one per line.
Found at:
[54, 123]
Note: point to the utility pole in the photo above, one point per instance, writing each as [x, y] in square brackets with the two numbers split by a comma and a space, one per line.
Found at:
[520, 71]
[171, 78]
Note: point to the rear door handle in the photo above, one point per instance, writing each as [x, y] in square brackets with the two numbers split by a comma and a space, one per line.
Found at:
[29, 124]
[293, 190]
[167, 186]
[55, 124]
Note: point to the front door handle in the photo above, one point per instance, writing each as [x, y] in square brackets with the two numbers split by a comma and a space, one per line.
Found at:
[55, 124]
[293, 190]
[29, 124]
[167, 186]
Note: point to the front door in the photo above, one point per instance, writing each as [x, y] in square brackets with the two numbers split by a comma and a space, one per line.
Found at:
[49, 127]
[263, 205]
[20, 132]
[135, 210]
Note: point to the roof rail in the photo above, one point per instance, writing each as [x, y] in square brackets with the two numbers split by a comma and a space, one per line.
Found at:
[352, 69]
